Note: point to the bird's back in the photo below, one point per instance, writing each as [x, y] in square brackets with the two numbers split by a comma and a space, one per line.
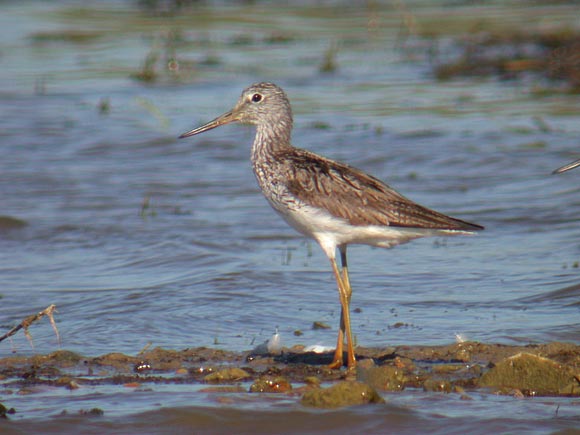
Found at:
[349, 194]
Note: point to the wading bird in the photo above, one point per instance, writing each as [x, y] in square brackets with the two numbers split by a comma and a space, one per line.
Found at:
[333, 203]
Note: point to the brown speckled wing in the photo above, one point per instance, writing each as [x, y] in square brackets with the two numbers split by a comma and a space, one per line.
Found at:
[355, 196]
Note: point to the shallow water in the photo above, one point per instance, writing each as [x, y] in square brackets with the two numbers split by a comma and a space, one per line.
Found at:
[208, 263]
[406, 413]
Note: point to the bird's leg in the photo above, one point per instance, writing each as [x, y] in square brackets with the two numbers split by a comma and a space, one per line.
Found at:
[337, 361]
[345, 279]
[344, 292]
[351, 360]
[338, 353]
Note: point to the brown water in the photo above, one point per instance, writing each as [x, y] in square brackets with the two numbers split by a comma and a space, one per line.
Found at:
[84, 145]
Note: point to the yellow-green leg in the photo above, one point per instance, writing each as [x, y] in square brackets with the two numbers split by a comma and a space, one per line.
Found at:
[345, 293]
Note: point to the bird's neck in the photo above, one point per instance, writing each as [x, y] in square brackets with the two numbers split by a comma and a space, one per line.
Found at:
[270, 139]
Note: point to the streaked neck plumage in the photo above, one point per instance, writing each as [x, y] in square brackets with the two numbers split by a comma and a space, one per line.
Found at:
[272, 134]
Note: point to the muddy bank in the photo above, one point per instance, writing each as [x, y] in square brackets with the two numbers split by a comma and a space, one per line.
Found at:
[515, 54]
[551, 369]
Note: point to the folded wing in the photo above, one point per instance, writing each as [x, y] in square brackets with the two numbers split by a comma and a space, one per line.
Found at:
[357, 197]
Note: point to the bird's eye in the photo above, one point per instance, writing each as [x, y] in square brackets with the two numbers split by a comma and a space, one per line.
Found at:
[256, 98]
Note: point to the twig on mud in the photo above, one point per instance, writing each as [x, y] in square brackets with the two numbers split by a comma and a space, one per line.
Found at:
[25, 324]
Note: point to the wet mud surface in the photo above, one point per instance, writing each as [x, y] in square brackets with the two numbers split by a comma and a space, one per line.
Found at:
[551, 369]
[510, 54]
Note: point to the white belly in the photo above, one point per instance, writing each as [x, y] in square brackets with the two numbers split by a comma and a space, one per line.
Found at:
[331, 232]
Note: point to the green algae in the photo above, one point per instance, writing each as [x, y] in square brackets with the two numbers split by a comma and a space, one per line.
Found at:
[232, 374]
[342, 394]
[383, 378]
[532, 374]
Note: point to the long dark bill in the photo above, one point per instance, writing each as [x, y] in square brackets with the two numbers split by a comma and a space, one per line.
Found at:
[567, 167]
[224, 119]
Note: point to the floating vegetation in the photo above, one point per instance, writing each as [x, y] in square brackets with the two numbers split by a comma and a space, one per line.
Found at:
[554, 56]
[279, 38]
[320, 325]
[147, 73]
[243, 40]
[11, 223]
[92, 411]
[252, 39]
[574, 265]
[537, 144]
[329, 64]
[104, 106]
[210, 60]
[162, 61]
[65, 36]
[146, 209]
[320, 125]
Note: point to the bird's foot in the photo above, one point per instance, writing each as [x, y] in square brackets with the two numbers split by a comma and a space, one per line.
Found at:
[336, 364]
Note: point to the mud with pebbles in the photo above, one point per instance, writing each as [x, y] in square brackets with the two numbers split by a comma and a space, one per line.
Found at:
[551, 369]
